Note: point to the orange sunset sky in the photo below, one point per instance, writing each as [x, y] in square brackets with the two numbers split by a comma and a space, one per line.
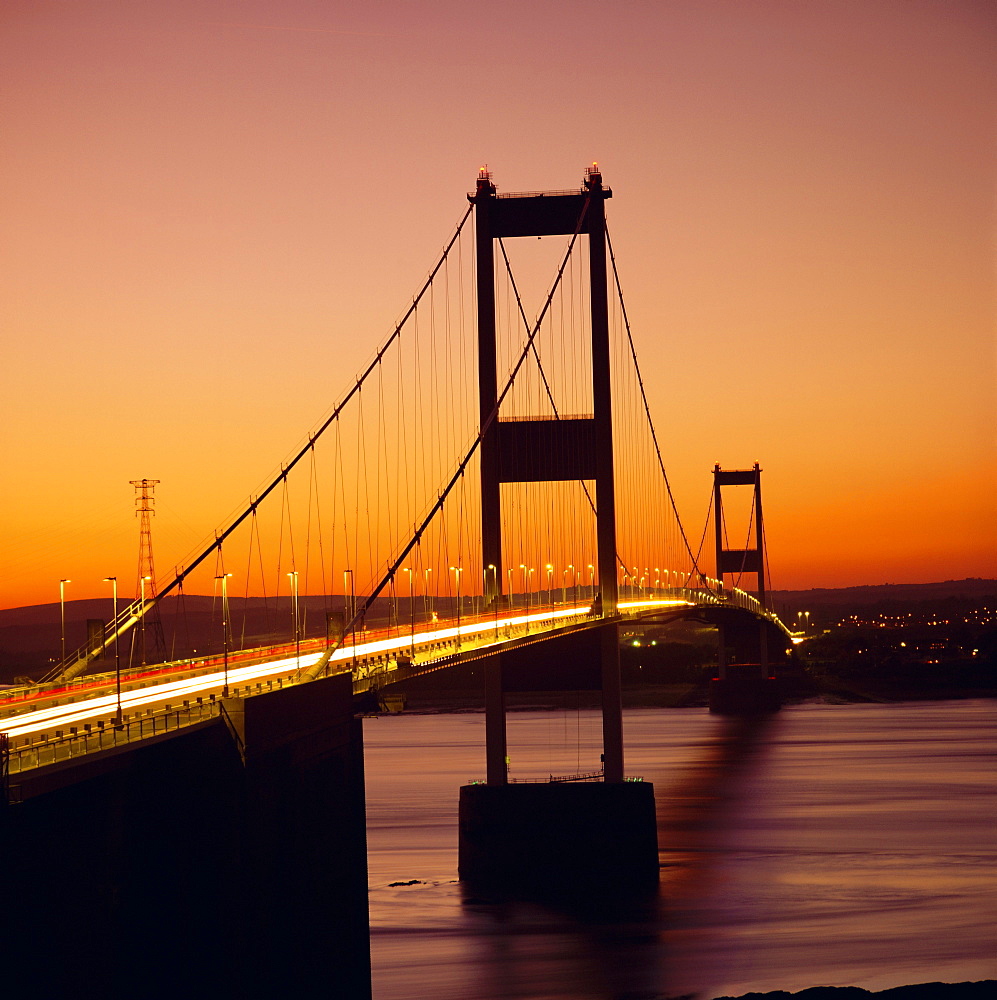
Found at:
[214, 211]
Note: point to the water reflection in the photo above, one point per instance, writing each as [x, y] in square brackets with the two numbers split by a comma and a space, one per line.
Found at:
[840, 845]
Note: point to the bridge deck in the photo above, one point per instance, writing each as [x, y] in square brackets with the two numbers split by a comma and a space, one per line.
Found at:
[45, 724]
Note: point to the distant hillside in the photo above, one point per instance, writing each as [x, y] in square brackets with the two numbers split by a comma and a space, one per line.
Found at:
[29, 636]
[802, 600]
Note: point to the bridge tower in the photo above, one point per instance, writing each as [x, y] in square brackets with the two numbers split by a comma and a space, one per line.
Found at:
[531, 450]
[538, 836]
[740, 561]
[523, 451]
[743, 685]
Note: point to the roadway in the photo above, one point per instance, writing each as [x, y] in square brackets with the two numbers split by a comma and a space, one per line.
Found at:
[33, 716]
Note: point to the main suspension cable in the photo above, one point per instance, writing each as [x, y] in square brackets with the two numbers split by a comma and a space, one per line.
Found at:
[133, 613]
[647, 410]
[458, 474]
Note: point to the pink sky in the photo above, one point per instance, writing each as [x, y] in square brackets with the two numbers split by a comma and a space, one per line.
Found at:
[214, 211]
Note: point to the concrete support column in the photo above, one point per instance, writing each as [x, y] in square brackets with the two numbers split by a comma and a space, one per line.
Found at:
[496, 751]
[612, 705]
[602, 401]
[491, 509]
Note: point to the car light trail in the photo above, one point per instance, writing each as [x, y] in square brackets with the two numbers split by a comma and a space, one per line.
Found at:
[44, 719]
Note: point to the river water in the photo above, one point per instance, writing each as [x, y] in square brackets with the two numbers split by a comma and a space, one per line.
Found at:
[841, 845]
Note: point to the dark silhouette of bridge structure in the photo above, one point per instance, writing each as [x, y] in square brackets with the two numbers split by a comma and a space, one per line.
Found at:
[504, 515]
[533, 493]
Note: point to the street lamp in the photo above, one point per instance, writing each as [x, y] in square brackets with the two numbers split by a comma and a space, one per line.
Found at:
[495, 595]
[591, 582]
[457, 570]
[425, 595]
[350, 612]
[550, 585]
[225, 629]
[806, 614]
[411, 603]
[141, 581]
[511, 601]
[297, 623]
[529, 588]
[113, 581]
[351, 604]
[62, 616]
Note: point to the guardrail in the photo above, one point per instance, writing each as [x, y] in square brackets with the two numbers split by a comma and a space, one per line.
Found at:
[105, 737]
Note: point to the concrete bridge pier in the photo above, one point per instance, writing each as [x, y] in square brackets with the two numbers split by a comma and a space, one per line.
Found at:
[745, 683]
[593, 837]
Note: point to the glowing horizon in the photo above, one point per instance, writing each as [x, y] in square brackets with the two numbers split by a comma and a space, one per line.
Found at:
[210, 224]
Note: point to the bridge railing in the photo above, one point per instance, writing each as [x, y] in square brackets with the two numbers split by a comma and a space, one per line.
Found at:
[106, 737]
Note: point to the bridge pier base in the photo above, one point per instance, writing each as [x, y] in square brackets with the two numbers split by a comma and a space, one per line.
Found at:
[587, 839]
[744, 692]
[744, 684]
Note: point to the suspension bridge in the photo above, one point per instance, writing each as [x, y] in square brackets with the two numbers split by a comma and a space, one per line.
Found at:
[490, 482]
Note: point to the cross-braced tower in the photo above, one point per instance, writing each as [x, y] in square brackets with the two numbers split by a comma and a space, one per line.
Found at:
[145, 583]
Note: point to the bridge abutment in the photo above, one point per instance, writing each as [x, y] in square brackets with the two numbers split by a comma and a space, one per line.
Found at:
[225, 858]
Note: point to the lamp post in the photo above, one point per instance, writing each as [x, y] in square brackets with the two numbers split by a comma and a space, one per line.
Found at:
[113, 581]
[411, 604]
[350, 612]
[550, 585]
[591, 582]
[62, 616]
[511, 601]
[806, 614]
[350, 608]
[457, 570]
[495, 595]
[425, 594]
[529, 589]
[141, 581]
[225, 630]
[297, 623]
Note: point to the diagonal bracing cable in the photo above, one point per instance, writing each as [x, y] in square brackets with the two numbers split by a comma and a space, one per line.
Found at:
[543, 375]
